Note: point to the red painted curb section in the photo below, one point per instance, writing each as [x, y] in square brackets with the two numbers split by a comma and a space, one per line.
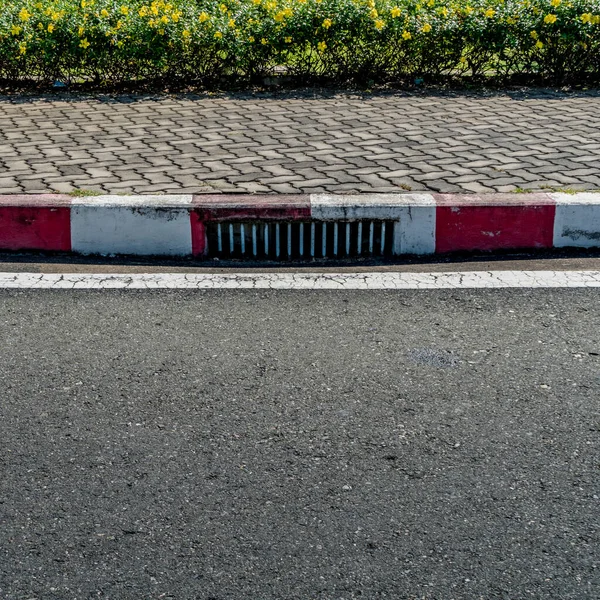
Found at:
[36, 200]
[35, 222]
[231, 207]
[207, 208]
[493, 222]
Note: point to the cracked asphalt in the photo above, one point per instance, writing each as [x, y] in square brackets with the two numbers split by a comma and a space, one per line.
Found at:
[330, 445]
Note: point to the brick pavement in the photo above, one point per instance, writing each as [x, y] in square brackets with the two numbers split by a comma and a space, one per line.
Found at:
[301, 142]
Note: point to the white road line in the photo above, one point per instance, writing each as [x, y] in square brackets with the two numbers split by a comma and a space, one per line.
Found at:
[305, 281]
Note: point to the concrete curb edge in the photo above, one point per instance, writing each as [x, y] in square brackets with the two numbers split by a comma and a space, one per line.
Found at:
[175, 225]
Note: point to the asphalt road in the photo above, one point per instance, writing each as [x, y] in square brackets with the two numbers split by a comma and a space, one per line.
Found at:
[300, 445]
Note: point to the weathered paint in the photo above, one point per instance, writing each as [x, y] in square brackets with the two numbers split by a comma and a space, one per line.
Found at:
[388, 207]
[577, 221]
[494, 227]
[131, 230]
[141, 201]
[414, 231]
[251, 207]
[304, 280]
[198, 233]
[35, 228]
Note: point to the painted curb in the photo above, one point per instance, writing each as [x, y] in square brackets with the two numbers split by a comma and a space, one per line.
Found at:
[176, 225]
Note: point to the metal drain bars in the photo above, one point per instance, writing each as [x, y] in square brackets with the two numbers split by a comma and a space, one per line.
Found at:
[281, 240]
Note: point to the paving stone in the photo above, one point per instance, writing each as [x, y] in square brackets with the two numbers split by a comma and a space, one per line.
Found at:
[477, 188]
[283, 188]
[302, 142]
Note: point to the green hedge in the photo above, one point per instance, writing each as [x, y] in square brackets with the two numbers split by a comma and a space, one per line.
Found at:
[120, 40]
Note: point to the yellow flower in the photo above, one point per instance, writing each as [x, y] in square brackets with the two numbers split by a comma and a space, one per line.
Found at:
[125, 10]
[550, 19]
[151, 22]
[444, 11]
[40, 27]
[83, 3]
[218, 35]
[539, 44]
[164, 19]
[555, 3]
[406, 35]
[185, 34]
[426, 28]
[287, 40]
[56, 16]
[16, 30]
[161, 31]
[327, 23]
[104, 13]
[586, 17]
[154, 10]
[489, 13]
[251, 39]
[379, 24]
[143, 11]
[50, 28]
[321, 46]
[119, 24]
[256, 2]
[203, 17]
[231, 23]
[84, 43]
[81, 31]
[511, 20]
[176, 16]
[468, 10]
[279, 17]
[395, 12]
[264, 42]
[374, 14]
[22, 48]
[596, 20]
[24, 14]
[223, 8]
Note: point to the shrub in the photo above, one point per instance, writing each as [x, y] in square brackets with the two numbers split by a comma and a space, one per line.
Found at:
[124, 40]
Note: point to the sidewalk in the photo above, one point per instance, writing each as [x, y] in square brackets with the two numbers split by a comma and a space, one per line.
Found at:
[301, 143]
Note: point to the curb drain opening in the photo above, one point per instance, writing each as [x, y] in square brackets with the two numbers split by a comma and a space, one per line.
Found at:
[299, 240]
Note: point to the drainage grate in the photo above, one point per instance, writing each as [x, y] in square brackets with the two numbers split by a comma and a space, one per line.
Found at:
[297, 240]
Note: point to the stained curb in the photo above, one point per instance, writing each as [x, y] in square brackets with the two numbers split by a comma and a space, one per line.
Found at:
[176, 225]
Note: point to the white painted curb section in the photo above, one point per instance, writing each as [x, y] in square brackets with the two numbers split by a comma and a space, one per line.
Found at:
[577, 220]
[143, 225]
[305, 281]
[414, 214]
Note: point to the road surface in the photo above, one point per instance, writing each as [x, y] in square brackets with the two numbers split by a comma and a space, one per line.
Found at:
[329, 445]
